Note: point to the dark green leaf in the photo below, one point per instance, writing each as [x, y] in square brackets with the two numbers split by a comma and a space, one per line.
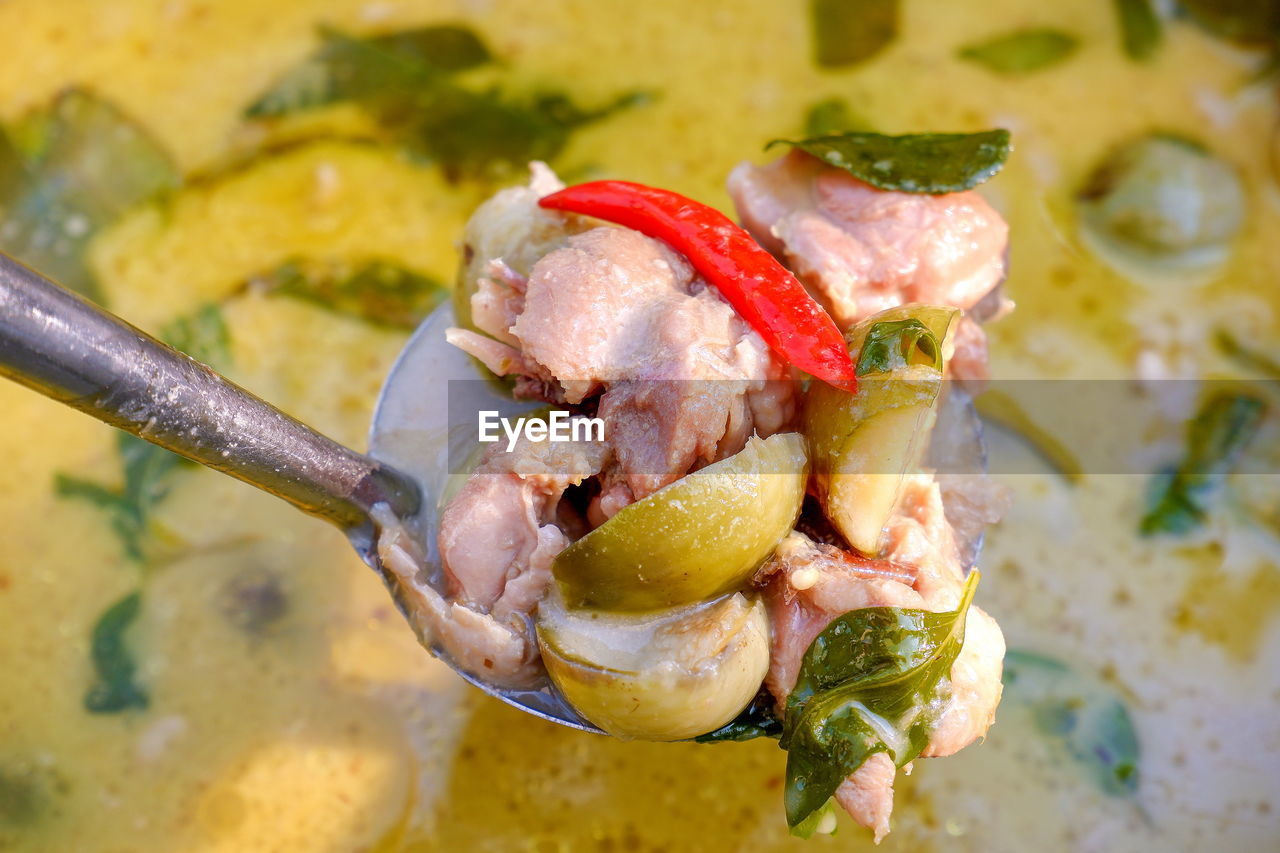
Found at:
[1140, 29]
[145, 468]
[406, 82]
[895, 344]
[847, 32]
[67, 486]
[203, 335]
[832, 116]
[376, 291]
[478, 134]
[868, 683]
[1245, 355]
[1078, 713]
[758, 720]
[1216, 437]
[914, 163]
[69, 171]
[813, 823]
[115, 689]
[1022, 52]
[1249, 22]
[346, 68]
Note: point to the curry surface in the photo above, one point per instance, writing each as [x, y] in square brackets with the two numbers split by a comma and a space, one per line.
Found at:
[324, 727]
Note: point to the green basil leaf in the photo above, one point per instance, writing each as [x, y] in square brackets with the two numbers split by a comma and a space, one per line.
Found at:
[1140, 28]
[817, 821]
[480, 134]
[406, 82]
[758, 720]
[376, 291]
[68, 171]
[896, 344]
[832, 741]
[832, 116]
[1246, 356]
[146, 475]
[915, 163]
[145, 468]
[115, 690]
[1248, 22]
[203, 335]
[867, 684]
[348, 68]
[1180, 499]
[1022, 52]
[1079, 714]
[847, 32]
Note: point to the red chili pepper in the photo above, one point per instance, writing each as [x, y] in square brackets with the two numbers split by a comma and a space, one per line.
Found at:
[762, 290]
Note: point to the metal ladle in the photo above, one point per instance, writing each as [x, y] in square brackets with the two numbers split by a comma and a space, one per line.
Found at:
[65, 347]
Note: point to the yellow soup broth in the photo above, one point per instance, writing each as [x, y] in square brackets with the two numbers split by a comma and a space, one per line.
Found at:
[288, 706]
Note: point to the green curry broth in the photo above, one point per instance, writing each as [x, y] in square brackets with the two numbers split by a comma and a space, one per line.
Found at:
[315, 722]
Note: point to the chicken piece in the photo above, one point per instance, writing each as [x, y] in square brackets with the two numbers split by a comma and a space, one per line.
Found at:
[968, 360]
[921, 535]
[807, 584]
[861, 250]
[683, 381]
[867, 794]
[497, 539]
[975, 687]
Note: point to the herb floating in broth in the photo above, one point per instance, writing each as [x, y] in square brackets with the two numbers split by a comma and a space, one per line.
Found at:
[1023, 51]
[1181, 498]
[146, 474]
[1140, 28]
[832, 116]
[472, 134]
[927, 163]
[408, 82]
[113, 662]
[1246, 356]
[145, 468]
[68, 171]
[848, 32]
[202, 334]
[868, 683]
[1083, 717]
[1254, 23]
[376, 291]
[346, 68]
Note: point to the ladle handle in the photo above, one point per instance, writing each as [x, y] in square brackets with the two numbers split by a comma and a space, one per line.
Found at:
[67, 348]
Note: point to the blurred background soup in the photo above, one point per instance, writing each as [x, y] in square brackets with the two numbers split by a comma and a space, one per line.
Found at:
[277, 187]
